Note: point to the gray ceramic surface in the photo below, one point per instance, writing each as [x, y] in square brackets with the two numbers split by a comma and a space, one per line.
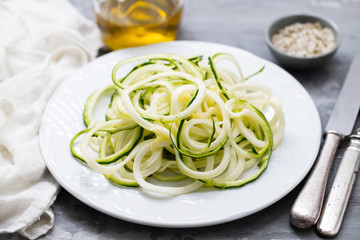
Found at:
[301, 62]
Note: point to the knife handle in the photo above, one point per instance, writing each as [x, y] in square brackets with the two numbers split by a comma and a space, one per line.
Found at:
[336, 203]
[307, 206]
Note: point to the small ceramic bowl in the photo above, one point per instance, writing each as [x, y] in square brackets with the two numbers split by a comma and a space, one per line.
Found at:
[301, 62]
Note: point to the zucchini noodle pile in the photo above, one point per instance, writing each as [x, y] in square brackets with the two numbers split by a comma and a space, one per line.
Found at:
[175, 124]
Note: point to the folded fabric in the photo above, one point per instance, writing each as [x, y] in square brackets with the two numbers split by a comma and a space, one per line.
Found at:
[41, 43]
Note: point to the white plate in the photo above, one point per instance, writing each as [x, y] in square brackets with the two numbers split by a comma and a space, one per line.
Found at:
[288, 165]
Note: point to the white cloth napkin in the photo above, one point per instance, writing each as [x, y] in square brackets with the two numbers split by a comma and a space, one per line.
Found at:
[41, 43]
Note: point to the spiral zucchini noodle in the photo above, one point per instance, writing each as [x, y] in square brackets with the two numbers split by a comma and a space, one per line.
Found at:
[174, 125]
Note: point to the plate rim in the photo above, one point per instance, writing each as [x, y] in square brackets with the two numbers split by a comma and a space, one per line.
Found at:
[144, 221]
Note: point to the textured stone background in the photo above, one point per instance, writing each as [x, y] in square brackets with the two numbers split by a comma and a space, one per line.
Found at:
[242, 24]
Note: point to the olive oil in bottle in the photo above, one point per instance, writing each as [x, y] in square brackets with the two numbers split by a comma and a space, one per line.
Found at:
[129, 23]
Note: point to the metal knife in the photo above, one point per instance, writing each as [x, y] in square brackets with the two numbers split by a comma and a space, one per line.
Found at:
[335, 206]
[306, 209]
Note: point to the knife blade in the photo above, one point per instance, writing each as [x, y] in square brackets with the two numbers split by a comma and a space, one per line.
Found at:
[336, 203]
[306, 209]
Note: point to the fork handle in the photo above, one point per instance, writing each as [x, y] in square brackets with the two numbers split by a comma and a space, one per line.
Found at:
[337, 201]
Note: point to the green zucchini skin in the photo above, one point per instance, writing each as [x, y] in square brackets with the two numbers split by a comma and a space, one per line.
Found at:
[187, 110]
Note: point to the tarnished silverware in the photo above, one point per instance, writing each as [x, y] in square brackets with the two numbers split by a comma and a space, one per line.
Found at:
[306, 209]
[335, 206]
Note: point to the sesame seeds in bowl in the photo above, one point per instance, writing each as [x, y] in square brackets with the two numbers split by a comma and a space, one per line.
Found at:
[303, 41]
[308, 39]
